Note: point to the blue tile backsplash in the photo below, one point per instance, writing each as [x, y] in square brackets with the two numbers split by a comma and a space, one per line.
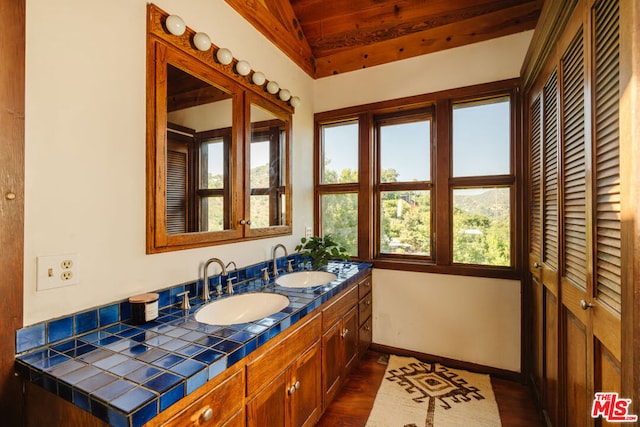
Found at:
[125, 373]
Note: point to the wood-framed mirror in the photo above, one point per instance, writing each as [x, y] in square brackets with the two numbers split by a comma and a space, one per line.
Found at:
[218, 149]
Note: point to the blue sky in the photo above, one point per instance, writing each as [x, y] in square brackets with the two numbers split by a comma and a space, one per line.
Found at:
[481, 137]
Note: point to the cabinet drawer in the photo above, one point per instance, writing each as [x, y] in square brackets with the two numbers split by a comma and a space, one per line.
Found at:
[264, 369]
[338, 309]
[215, 407]
[364, 286]
[364, 308]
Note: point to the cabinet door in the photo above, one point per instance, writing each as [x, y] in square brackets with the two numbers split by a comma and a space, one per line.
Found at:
[349, 336]
[304, 389]
[267, 408]
[331, 362]
[365, 337]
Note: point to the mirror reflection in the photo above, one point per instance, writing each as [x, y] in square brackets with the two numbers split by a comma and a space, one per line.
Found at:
[268, 169]
[199, 138]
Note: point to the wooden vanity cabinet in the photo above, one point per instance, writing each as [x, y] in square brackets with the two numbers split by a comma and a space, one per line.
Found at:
[293, 398]
[220, 404]
[365, 307]
[283, 384]
[339, 342]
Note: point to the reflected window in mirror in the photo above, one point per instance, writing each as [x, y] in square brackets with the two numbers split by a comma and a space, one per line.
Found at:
[268, 169]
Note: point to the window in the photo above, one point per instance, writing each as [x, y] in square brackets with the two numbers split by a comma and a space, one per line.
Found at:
[338, 190]
[427, 186]
[481, 147]
[404, 185]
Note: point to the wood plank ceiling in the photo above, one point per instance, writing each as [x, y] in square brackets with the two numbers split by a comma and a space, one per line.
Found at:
[326, 37]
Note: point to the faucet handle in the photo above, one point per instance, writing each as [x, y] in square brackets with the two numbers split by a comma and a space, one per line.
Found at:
[185, 300]
[289, 266]
[265, 275]
[230, 285]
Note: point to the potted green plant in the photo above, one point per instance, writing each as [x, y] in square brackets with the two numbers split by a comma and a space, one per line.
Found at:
[321, 250]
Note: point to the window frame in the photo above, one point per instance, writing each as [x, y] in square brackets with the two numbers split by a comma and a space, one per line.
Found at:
[381, 187]
[442, 182]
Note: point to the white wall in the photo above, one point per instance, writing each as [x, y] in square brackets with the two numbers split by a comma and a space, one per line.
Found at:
[85, 168]
[464, 318]
[85, 147]
[473, 319]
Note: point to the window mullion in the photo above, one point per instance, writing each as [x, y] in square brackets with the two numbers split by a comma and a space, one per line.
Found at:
[441, 199]
[366, 203]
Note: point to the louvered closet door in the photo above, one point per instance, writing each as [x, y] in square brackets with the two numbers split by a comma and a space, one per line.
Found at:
[605, 295]
[535, 242]
[575, 256]
[550, 241]
[543, 245]
[590, 207]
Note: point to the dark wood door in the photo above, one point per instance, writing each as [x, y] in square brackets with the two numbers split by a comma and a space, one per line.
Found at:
[349, 340]
[304, 389]
[12, 98]
[267, 408]
[331, 362]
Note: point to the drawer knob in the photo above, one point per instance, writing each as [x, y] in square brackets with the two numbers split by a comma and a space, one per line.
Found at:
[345, 332]
[206, 415]
[367, 328]
[294, 387]
[368, 302]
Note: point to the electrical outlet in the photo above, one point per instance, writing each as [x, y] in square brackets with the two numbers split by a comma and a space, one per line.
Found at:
[308, 232]
[57, 271]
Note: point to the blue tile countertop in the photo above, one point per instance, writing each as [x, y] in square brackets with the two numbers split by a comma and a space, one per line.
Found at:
[125, 374]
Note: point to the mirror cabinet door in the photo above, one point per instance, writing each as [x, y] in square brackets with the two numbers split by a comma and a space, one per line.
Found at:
[199, 139]
[194, 153]
[268, 169]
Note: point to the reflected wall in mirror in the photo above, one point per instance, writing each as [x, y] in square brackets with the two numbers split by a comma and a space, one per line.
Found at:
[218, 149]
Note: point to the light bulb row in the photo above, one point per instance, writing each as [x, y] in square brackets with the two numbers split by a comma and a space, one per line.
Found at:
[176, 26]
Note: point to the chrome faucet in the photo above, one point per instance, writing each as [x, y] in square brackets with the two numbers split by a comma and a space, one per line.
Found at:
[205, 286]
[273, 255]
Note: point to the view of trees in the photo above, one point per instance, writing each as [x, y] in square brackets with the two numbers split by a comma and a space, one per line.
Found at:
[481, 221]
[259, 203]
[481, 226]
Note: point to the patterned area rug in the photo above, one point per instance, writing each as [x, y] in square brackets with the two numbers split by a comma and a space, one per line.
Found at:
[416, 394]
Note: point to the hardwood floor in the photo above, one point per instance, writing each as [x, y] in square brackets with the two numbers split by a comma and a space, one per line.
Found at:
[352, 405]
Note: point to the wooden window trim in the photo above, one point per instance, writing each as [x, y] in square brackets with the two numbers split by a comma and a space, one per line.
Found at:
[442, 184]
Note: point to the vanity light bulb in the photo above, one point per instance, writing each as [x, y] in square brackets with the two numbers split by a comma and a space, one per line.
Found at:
[284, 95]
[224, 56]
[273, 87]
[258, 78]
[295, 101]
[175, 25]
[243, 68]
[202, 41]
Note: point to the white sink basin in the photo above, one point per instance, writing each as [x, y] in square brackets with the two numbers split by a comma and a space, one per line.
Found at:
[241, 308]
[305, 279]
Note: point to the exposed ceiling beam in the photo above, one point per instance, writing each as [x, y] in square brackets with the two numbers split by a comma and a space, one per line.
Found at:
[466, 31]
